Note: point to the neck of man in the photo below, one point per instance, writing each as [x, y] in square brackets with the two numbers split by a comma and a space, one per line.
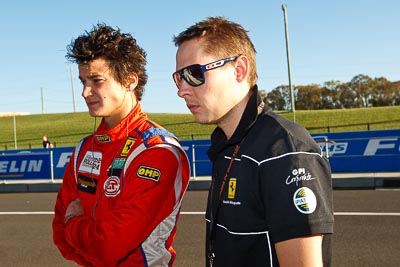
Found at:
[230, 121]
[120, 112]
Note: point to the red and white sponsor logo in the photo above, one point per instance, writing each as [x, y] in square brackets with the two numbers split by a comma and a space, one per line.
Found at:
[112, 186]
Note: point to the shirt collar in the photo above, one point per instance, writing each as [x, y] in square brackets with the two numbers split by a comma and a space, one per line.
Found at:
[125, 126]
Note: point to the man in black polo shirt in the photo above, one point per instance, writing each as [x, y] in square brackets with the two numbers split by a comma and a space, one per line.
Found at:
[270, 200]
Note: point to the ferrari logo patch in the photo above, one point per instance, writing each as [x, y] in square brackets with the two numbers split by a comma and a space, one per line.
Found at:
[127, 147]
[232, 188]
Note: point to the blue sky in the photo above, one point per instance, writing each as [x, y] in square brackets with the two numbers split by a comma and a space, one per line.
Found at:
[329, 40]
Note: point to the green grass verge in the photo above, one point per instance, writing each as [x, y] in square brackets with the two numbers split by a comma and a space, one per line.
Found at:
[66, 129]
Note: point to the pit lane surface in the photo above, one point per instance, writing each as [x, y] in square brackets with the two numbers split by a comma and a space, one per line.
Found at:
[367, 229]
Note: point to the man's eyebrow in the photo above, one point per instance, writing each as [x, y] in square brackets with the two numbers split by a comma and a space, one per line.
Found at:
[91, 76]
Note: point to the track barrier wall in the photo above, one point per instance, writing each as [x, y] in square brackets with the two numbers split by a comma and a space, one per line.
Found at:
[348, 152]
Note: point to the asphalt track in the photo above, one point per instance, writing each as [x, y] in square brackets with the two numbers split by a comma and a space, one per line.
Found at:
[367, 229]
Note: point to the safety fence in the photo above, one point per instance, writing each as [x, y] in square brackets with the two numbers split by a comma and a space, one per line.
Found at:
[348, 152]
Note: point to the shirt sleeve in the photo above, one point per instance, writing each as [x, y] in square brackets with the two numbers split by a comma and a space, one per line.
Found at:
[150, 192]
[299, 195]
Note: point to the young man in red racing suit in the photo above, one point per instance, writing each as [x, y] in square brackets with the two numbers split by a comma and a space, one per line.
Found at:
[122, 190]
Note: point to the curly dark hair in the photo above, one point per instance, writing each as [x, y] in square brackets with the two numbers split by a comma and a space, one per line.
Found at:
[122, 52]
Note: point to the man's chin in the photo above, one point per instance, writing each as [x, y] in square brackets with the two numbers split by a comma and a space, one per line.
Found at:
[94, 113]
[203, 121]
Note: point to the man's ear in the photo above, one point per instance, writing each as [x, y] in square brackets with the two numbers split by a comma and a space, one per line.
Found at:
[133, 81]
[242, 68]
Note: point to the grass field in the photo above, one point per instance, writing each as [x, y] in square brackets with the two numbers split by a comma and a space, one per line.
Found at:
[66, 129]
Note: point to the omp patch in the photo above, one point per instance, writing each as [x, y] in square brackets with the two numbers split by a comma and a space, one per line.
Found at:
[103, 138]
[112, 186]
[87, 184]
[91, 162]
[127, 146]
[304, 200]
[149, 173]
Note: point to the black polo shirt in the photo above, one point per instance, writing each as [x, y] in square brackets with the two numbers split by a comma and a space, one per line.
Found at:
[279, 187]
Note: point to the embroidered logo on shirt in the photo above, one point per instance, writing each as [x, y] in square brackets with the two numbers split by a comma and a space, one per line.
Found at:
[231, 188]
[87, 184]
[91, 162]
[148, 173]
[118, 163]
[299, 175]
[112, 186]
[127, 147]
[304, 200]
[103, 138]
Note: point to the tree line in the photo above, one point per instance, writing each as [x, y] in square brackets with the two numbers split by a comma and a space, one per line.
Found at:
[361, 92]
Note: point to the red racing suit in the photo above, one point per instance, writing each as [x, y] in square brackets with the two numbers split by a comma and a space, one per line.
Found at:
[130, 180]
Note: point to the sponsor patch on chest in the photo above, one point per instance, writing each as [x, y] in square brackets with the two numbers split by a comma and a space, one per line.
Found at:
[87, 184]
[127, 146]
[112, 186]
[91, 162]
[232, 188]
[103, 138]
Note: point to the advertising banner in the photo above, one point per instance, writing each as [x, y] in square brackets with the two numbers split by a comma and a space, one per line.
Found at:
[364, 151]
[38, 163]
[367, 151]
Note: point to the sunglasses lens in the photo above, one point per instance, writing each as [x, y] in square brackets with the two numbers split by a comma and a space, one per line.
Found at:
[193, 75]
[177, 78]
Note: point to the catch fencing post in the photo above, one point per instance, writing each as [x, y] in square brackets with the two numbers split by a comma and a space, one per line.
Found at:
[51, 166]
[194, 161]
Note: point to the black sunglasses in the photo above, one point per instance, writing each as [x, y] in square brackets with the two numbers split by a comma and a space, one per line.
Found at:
[194, 74]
